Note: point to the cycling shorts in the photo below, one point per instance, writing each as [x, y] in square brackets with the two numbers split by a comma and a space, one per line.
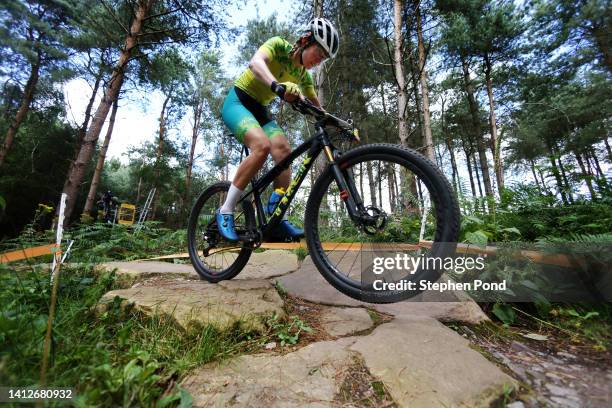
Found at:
[241, 113]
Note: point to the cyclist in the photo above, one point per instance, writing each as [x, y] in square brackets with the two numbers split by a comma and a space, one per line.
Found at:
[277, 69]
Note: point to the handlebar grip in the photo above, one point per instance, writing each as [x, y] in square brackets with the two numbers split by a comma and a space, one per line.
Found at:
[304, 106]
[278, 89]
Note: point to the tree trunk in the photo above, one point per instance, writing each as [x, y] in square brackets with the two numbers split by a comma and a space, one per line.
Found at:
[484, 166]
[320, 162]
[453, 159]
[388, 137]
[535, 175]
[162, 133]
[371, 182]
[424, 89]
[439, 156]
[396, 190]
[91, 197]
[380, 183]
[360, 179]
[608, 148]
[26, 100]
[495, 147]
[197, 114]
[417, 98]
[468, 160]
[449, 145]
[602, 39]
[543, 182]
[600, 172]
[399, 74]
[585, 176]
[477, 176]
[568, 187]
[320, 73]
[391, 183]
[222, 157]
[138, 190]
[317, 6]
[158, 156]
[382, 98]
[76, 173]
[600, 179]
[83, 128]
[557, 176]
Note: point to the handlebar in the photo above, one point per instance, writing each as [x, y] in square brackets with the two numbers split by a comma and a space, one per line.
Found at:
[325, 118]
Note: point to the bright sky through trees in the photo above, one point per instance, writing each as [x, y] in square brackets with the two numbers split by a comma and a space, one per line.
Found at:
[137, 118]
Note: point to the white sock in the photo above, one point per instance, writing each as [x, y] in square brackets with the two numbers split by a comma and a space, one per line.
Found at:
[233, 195]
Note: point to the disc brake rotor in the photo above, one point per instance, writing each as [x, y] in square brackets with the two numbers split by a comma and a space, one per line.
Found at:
[375, 220]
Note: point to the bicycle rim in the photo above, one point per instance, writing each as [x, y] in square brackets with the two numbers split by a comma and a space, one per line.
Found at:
[213, 257]
[409, 204]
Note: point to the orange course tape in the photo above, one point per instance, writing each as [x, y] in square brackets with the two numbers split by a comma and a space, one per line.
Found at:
[25, 253]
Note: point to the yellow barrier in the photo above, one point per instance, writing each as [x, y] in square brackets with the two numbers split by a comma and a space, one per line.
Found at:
[127, 213]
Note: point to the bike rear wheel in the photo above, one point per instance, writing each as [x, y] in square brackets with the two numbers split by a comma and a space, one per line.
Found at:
[406, 198]
[214, 258]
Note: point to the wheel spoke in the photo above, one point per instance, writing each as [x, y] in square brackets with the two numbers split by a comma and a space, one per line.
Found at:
[213, 257]
[399, 209]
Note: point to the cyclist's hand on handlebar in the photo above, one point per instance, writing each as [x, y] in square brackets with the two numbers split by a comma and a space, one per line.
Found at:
[287, 91]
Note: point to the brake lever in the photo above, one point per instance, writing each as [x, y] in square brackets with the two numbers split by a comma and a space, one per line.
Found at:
[300, 106]
[307, 108]
[347, 127]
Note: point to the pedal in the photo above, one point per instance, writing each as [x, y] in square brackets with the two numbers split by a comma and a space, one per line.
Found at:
[250, 238]
[283, 240]
[247, 238]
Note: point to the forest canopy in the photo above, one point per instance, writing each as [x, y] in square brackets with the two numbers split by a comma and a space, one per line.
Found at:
[512, 100]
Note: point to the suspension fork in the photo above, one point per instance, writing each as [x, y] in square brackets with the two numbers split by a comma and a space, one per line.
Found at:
[346, 183]
[352, 189]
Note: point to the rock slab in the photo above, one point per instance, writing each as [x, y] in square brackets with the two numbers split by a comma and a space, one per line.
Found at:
[191, 302]
[421, 363]
[424, 364]
[342, 321]
[311, 376]
[308, 284]
[268, 264]
[261, 265]
[130, 272]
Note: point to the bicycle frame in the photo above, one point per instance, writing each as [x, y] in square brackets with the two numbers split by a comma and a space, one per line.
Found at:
[312, 148]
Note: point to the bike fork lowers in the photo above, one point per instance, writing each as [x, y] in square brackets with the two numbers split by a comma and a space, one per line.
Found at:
[346, 184]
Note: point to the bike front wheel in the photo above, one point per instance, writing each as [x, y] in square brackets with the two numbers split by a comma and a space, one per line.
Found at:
[213, 257]
[409, 211]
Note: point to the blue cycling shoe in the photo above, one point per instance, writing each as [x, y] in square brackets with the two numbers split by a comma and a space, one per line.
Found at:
[274, 200]
[285, 229]
[225, 223]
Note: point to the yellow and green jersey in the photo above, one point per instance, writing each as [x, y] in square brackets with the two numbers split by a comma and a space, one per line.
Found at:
[283, 69]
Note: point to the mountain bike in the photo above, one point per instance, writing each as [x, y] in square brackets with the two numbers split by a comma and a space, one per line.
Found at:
[350, 222]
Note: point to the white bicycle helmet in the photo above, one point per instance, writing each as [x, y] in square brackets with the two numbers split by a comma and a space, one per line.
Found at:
[324, 34]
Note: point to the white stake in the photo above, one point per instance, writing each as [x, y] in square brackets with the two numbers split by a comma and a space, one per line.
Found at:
[60, 232]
